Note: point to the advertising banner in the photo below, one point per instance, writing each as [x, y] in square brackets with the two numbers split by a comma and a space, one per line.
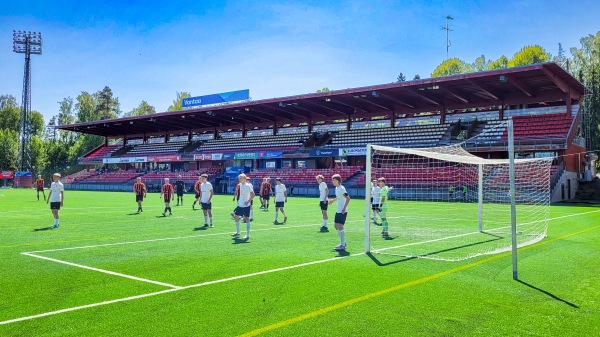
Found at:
[158, 159]
[270, 154]
[228, 156]
[325, 153]
[245, 155]
[231, 96]
[7, 174]
[355, 151]
[125, 160]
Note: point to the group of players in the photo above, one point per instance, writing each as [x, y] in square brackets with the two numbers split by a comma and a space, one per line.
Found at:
[244, 195]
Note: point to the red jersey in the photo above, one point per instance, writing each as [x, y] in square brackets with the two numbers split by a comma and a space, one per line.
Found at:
[139, 188]
[39, 183]
[265, 188]
[167, 190]
[197, 186]
[236, 194]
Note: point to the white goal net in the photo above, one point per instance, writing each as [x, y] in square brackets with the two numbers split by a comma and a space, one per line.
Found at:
[445, 203]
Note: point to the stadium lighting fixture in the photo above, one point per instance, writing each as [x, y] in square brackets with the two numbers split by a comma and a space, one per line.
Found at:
[281, 105]
[503, 79]
[448, 30]
[327, 99]
[247, 109]
[375, 94]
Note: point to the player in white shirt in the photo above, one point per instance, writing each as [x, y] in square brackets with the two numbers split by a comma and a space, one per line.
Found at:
[323, 193]
[280, 200]
[343, 199]
[246, 194]
[56, 197]
[375, 200]
[206, 194]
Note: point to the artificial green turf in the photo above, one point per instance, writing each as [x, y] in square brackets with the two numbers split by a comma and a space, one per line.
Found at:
[559, 295]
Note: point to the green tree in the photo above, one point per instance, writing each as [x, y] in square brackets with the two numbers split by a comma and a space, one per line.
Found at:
[452, 66]
[480, 63]
[529, 55]
[177, 103]
[107, 106]
[401, 78]
[325, 89]
[51, 129]
[86, 108]
[417, 77]
[38, 154]
[37, 124]
[500, 63]
[586, 66]
[65, 112]
[7, 100]
[9, 149]
[143, 109]
[57, 156]
[84, 144]
[10, 118]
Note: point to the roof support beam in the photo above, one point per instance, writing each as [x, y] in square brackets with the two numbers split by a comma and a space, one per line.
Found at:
[483, 89]
[452, 93]
[423, 97]
[517, 83]
[562, 85]
[401, 102]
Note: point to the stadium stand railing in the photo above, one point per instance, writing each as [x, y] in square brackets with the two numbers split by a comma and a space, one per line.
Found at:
[112, 177]
[153, 149]
[406, 136]
[287, 142]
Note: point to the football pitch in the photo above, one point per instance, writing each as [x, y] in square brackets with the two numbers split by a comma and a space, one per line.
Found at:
[108, 271]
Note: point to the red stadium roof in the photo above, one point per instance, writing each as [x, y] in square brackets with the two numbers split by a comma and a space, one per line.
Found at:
[533, 84]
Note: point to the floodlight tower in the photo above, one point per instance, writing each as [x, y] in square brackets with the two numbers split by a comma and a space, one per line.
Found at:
[448, 30]
[26, 43]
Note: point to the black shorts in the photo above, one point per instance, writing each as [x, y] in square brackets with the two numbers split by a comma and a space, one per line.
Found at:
[180, 193]
[139, 197]
[340, 218]
[40, 189]
[197, 195]
[266, 196]
[376, 207]
[167, 198]
[279, 204]
[206, 205]
[55, 205]
[323, 205]
[242, 211]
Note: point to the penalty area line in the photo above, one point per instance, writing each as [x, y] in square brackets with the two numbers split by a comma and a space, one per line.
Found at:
[130, 298]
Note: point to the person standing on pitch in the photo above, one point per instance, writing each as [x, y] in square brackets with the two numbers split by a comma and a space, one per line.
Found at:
[375, 200]
[206, 194]
[323, 194]
[139, 188]
[246, 194]
[383, 206]
[343, 199]
[56, 197]
[265, 193]
[167, 192]
[39, 184]
[180, 188]
[197, 190]
[280, 200]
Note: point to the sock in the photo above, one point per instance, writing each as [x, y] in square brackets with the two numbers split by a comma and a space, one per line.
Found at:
[210, 218]
[237, 226]
[248, 228]
[251, 214]
[342, 235]
[276, 215]
[56, 221]
[324, 223]
[165, 210]
[206, 219]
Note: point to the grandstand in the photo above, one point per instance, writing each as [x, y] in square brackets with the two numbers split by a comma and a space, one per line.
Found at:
[300, 136]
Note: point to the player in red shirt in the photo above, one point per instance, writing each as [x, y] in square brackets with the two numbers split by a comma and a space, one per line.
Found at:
[197, 190]
[39, 184]
[167, 193]
[265, 193]
[140, 193]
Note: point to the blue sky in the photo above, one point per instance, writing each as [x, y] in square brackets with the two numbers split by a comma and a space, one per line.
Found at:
[149, 50]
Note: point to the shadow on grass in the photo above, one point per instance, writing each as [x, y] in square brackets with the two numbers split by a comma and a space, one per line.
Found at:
[572, 305]
[42, 229]
[201, 228]
[237, 241]
[342, 253]
[408, 258]
[136, 213]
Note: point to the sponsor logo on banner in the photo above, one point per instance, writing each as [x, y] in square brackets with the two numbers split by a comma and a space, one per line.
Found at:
[228, 156]
[208, 156]
[167, 158]
[355, 151]
[217, 156]
[231, 96]
[325, 153]
[245, 155]
[7, 174]
[270, 154]
[125, 160]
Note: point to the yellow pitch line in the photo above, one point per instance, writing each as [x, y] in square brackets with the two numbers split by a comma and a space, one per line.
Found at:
[344, 304]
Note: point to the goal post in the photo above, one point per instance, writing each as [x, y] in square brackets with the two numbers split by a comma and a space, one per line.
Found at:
[448, 204]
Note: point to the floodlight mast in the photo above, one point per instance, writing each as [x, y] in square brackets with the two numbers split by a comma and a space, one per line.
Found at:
[448, 30]
[26, 43]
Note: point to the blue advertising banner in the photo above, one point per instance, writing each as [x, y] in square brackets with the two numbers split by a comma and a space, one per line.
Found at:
[231, 96]
[228, 156]
[246, 155]
[325, 153]
[270, 154]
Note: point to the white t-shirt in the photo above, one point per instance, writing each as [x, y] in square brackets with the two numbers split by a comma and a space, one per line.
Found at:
[375, 194]
[340, 194]
[56, 188]
[322, 191]
[245, 190]
[280, 193]
[205, 188]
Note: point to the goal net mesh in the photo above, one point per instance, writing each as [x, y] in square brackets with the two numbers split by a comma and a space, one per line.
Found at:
[445, 203]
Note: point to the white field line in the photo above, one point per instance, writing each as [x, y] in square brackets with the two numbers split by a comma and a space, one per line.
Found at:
[125, 299]
[103, 271]
[471, 233]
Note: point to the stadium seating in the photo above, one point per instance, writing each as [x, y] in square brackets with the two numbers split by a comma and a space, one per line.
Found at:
[407, 136]
[153, 149]
[546, 126]
[304, 176]
[101, 152]
[113, 177]
[282, 142]
[78, 176]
